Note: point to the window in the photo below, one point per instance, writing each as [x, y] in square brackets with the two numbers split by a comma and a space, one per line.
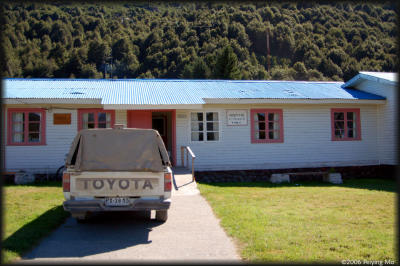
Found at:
[95, 118]
[346, 124]
[26, 126]
[266, 125]
[204, 126]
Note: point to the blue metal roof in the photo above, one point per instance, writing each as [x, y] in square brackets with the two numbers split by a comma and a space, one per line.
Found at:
[175, 92]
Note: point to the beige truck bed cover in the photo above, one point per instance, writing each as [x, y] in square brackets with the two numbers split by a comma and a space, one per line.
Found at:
[127, 149]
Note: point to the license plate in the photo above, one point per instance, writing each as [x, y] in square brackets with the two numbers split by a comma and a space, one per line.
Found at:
[116, 202]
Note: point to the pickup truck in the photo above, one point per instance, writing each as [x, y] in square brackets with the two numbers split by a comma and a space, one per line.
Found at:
[119, 169]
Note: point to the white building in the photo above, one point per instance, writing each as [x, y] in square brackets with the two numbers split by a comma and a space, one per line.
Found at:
[228, 124]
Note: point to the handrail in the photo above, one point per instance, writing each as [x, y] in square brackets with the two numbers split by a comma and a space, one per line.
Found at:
[189, 151]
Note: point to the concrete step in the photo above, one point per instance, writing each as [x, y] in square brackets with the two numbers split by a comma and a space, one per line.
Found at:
[185, 183]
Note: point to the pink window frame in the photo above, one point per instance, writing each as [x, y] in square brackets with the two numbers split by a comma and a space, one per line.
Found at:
[266, 111]
[95, 111]
[345, 111]
[42, 111]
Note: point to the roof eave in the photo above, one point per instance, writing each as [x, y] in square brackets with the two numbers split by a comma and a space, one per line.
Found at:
[51, 101]
[292, 101]
[151, 106]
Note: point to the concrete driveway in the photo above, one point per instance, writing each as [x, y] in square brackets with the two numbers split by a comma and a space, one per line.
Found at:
[191, 234]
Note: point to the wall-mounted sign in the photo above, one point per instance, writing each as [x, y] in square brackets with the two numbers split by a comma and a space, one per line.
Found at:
[236, 117]
[62, 119]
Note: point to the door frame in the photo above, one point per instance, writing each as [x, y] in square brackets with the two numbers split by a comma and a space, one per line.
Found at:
[173, 131]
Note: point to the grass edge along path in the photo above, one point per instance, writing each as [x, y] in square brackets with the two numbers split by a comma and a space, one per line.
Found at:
[30, 213]
[308, 221]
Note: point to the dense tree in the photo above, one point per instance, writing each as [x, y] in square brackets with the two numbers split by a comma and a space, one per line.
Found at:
[98, 52]
[226, 66]
[120, 48]
[196, 70]
[301, 71]
[170, 40]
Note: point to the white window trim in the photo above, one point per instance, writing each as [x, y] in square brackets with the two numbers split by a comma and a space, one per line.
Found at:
[204, 117]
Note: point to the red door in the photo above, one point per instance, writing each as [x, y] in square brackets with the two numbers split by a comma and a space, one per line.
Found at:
[139, 119]
[144, 119]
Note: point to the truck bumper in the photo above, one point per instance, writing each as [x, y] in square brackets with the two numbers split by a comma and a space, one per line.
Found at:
[98, 205]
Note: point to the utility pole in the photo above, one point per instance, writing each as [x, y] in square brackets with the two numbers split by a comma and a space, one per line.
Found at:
[268, 52]
[111, 68]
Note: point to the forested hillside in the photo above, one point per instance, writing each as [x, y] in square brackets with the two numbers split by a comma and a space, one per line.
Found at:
[212, 40]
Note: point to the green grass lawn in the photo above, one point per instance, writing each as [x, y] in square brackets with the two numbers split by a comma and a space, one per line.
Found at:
[308, 222]
[29, 213]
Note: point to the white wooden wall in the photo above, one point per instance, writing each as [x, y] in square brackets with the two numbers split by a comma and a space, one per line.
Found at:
[307, 140]
[44, 158]
[387, 120]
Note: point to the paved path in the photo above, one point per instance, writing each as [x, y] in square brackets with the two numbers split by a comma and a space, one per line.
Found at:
[191, 234]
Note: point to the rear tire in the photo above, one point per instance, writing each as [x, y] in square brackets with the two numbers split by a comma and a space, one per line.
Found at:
[162, 215]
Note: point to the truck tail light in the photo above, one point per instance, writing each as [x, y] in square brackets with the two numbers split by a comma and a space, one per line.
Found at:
[66, 182]
[167, 181]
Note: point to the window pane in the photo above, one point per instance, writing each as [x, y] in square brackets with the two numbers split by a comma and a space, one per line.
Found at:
[18, 137]
[271, 117]
[339, 134]
[34, 127]
[351, 133]
[91, 117]
[351, 125]
[197, 136]
[339, 125]
[350, 115]
[88, 120]
[102, 117]
[18, 128]
[34, 116]
[261, 126]
[108, 117]
[212, 116]
[256, 127]
[274, 134]
[212, 126]
[276, 117]
[197, 116]
[88, 117]
[34, 137]
[85, 118]
[272, 125]
[101, 125]
[259, 117]
[271, 135]
[260, 135]
[338, 116]
[212, 136]
[18, 117]
[197, 126]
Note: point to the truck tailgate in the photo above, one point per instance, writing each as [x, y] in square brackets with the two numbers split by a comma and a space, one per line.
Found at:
[117, 184]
